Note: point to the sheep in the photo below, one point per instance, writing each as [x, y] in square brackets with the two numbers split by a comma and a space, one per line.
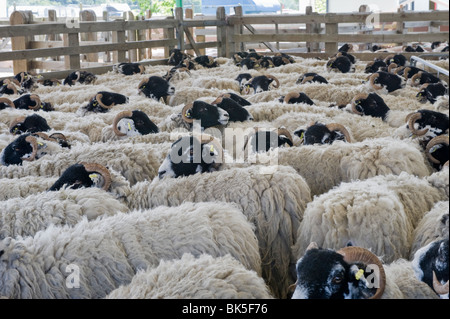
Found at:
[129, 123]
[276, 194]
[108, 252]
[10, 87]
[296, 97]
[83, 77]
[424, 77]
[326, 166]
[437, 151]
[27, 81]
[176, 57]
[129, 68]
[236, 111]
[6, 103]
[375, 65]
[398, 59]
[137, 162]
[29, 124]
[379, 213]
[155, 87]
[355, 273]
[433, 226]
[208, 115]
[102, 102]
[311, 77]
[323, 134]
[32, 102]
[341, 64]
[431, 91]
[260, 83]
[385, 82]
[26, 216]
[431, 265]
[205, 61]
[204, 277]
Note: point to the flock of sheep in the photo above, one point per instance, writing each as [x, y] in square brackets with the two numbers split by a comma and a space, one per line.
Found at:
[94, 205]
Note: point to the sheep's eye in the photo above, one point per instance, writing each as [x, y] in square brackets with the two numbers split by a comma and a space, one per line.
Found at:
[337, 280]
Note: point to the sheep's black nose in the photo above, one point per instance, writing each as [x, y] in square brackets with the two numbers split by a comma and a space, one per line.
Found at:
[161, 174]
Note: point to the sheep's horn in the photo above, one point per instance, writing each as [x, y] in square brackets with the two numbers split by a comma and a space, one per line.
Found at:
[102, 170]
[438, 287]
[292, 287]
[16, 121]
[218, 100]
[99, 97]
[141, 69]
[34, 144]
[415, 77]
[36, 100]
[237, 58]
[306, 79]
[277, 82]
[441, 139]
[11, 86]
[339, 127]
[393, 66]
[42, 135]
[386, 59]
[406, 72]
[210, 60]
[372, 81]
[354, 254]
[409, 116]
[184, 113]
[118, 117]
[291, 95]
[283, 131]
[142, 83]
[424, 86]
[356, 98]
[78, 74]
[312, 245]
[412, 120]
[7, 101]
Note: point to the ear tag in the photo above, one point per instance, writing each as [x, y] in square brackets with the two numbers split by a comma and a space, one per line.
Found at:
[129, 126]
[359, 274]
[211, 148]
[302, 136]
[93, 176]
[188, 113]
[435, 148]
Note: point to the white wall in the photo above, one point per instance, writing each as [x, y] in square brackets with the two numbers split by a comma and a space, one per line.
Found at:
[353, 5]
[3, 9]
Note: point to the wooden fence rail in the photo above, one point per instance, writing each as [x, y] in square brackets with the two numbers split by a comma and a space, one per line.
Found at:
[131, 39]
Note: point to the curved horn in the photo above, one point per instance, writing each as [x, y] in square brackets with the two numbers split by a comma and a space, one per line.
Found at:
[415, 77]
[283, 131]
[386, 59]
[354, 254]
[392, 66]
[36, 100]
[99, 97]
[57, 136]
[34, 144]
[42, 135]
[78, 74]
[277, 82]
[372, 81]
[412, 120]
[438, 287]
[142, 83]
[10, 85]
[339, 127]
[409, 116]
[184, 113]
[7, 101]
[16, 121]
[218, 100]
[362, 96]
[291, 95]
[117, 119]
[441, 139]
[306, 79]
[141, 69]
[102, 170]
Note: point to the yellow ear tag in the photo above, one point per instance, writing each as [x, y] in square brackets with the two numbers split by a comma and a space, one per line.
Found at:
[302, 136]
[129, 126]
[92, 176]
[95, 103]
[359, 274]
[40, 144]
[188, 113]
[42, 106]
[211, 148]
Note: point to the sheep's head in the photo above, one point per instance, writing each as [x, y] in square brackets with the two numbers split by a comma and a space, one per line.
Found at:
[29, 124]
[370, 104]
[318, 133]
[103, 101]
[84, 175]
[82, 77]
[206, 61]
[5, 102]
[208, 115]
[155, 87]
[32, 102]
[350, 273]
[296, 97]
[437, 151]
[190, 155]
[374, 66]
[340, 64]
[264, 140]
[261, 83]
[10, 87]
[311, 77]
[427, 122]
[431, 91]
[431, 265]
[176, 56]
[236, 112]
[132, 123]
[23, 148]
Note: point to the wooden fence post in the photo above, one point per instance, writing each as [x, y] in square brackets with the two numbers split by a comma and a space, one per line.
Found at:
[89, 15]
[131, 36]
[312, 28]
[400, 26]
[189, 14]
[364, 46]
[72, 62]
[331, 29]
[146, 53]
[119, 37]
[238, 29]
[221, 33]
[199, 38]
[180, 27]
[20, 43]
[107, 37]
[168, 33]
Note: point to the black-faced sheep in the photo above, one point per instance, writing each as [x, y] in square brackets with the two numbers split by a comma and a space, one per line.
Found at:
[431, 91]
[296, 97]
[103, 101]
[155, 87]
[340, 64]
[82, 77]
[129, 68]
[32, 102]
[260, 83]
[385, 82]
[29, 124]
[311, 77]
[319, 133]
[207, 114]
[355, 273]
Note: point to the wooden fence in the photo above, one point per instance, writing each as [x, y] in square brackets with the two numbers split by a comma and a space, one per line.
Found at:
[77, 44]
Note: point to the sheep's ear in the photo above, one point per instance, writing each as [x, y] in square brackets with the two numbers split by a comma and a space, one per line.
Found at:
[349, 244]
[1, 253]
